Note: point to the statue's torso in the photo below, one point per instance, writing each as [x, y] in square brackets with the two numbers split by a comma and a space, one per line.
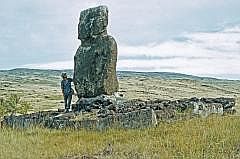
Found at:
[95, 67]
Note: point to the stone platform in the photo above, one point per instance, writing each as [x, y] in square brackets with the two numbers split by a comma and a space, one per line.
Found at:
[53, 119]
[125, 114]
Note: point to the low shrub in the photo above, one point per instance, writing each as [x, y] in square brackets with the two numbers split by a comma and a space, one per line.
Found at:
[13, 104]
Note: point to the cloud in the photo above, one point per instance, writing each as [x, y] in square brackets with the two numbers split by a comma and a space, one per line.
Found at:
[46, 30]
[59, 65]
[200, 53]
[156, 35]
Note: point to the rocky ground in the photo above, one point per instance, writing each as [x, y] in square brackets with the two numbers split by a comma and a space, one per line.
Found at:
[103, 112]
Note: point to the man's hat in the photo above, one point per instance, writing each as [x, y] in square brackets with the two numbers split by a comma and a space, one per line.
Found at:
[64, 75]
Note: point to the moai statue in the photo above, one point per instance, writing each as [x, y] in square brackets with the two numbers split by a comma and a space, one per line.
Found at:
[96, 58]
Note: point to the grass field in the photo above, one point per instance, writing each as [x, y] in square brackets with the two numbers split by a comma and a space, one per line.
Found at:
[213, 137]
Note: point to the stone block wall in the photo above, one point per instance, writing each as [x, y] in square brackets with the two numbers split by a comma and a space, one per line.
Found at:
[136, 119]
[130, 114]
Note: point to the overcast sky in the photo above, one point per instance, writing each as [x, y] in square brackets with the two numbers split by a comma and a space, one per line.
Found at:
[199, 37]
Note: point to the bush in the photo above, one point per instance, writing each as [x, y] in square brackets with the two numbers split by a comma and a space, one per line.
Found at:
[13, 104]
[2, 107]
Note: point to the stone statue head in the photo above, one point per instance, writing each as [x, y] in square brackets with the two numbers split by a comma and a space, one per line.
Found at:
[93, 22]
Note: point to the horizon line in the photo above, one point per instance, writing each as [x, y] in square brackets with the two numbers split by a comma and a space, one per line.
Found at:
[209, 76]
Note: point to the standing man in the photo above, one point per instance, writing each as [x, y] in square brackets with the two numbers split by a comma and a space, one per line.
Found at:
[67, 91]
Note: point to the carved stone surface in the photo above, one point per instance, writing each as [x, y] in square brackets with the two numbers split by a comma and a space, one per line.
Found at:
[96, 58]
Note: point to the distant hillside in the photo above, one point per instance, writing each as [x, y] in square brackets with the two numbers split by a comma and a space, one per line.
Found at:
[162, 75]
[39, 72]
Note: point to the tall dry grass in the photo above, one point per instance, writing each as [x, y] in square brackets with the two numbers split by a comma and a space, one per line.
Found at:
[214, 137]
